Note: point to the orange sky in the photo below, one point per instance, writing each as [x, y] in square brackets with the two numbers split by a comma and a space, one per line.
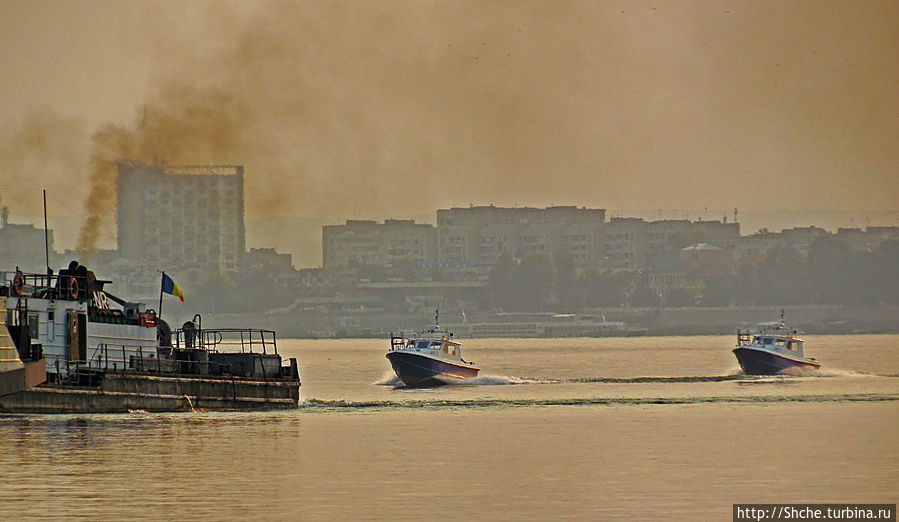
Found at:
[352, 109]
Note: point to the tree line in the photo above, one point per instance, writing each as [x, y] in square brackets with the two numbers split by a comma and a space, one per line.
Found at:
[830, 273]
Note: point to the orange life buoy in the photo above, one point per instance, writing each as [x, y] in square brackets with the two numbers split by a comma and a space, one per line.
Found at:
[18, 283]
[73, 288]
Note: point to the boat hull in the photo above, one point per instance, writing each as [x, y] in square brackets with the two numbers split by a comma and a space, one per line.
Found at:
[761, 362]
[416, 370]
[122, 392]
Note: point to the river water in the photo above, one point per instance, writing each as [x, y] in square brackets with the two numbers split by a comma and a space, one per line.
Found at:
[632, 428]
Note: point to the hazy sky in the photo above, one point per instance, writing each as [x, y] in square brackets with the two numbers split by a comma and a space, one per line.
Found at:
[347, 109]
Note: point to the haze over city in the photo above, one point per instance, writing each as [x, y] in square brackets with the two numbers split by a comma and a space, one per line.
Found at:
[449, 259]
[348, 110]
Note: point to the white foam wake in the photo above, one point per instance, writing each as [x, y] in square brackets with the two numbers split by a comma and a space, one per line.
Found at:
[501, 380]
[388, 379]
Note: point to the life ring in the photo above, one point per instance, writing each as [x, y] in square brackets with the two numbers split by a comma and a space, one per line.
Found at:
[18, 283]
[73, 288]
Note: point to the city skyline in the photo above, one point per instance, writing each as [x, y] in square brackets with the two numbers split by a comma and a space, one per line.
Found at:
[612, 105]
[305, 246]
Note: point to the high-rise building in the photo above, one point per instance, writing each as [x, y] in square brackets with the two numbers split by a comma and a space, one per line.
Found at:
[190, 216]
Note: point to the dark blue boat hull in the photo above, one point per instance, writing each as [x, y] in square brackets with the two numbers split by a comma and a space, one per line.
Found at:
[419, 371]
[757, 362]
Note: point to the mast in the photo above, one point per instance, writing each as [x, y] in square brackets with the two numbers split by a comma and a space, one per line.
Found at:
[46, 240]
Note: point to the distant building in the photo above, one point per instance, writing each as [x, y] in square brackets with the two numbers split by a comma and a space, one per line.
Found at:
[753, 249]
[624, 244]
[866, 240]
[477, 236]
[182, 216]
[632, 243]
[267, 260]
[705, 261]
[23, 246]
[387, 244]
[801, 238]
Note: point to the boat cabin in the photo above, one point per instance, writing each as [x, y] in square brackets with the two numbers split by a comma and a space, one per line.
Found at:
[431, 341]
[773, 336]
[66, 318]
[438, 345]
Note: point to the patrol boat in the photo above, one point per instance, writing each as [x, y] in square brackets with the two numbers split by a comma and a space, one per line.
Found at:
[772, 349]
[67, 345]
[429, 358]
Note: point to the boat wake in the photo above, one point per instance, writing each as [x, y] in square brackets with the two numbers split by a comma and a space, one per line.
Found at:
[638, 380]
[829, 372]
[502, 380]
[389, 379]
[314, 405]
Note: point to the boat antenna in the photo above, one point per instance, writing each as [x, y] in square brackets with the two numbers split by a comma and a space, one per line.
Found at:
[46, 240]
[781, 315]
[437, 317]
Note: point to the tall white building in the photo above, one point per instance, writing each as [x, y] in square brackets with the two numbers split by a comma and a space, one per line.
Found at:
[190, 216]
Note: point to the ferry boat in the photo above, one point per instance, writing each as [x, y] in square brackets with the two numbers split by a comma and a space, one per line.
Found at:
[67, 345]
[771, 350]
[429, 358]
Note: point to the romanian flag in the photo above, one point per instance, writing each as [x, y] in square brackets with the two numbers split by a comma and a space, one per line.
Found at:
[171, 287]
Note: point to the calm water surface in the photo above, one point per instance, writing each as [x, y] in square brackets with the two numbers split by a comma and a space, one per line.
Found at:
[631, 428]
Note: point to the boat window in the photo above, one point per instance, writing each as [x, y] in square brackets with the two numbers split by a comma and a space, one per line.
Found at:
[422, 344]
[33, 325]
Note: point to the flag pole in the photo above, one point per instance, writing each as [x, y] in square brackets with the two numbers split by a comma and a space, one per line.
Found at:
[161, 282]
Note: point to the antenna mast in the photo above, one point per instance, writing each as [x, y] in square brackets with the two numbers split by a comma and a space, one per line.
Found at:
[46, 240]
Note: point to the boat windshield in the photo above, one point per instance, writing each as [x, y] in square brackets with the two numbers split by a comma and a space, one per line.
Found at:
[423, 344]
[767, 340]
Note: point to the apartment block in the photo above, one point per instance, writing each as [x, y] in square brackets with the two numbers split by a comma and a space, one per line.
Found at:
[631, 243]
[367, 242]
[477, 236]
[624, 244]
[191, 216]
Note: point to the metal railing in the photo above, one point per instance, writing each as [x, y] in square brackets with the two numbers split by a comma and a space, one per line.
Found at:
[236, 340]
[58, 286]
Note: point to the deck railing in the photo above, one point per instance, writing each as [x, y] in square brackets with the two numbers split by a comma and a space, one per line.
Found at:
[235, 340]
[45, 285]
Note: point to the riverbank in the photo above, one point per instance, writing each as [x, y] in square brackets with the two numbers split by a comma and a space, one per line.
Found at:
[809, 319]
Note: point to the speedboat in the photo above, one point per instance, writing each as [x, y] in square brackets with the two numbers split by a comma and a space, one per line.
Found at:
[429, 358]
[772, 349]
